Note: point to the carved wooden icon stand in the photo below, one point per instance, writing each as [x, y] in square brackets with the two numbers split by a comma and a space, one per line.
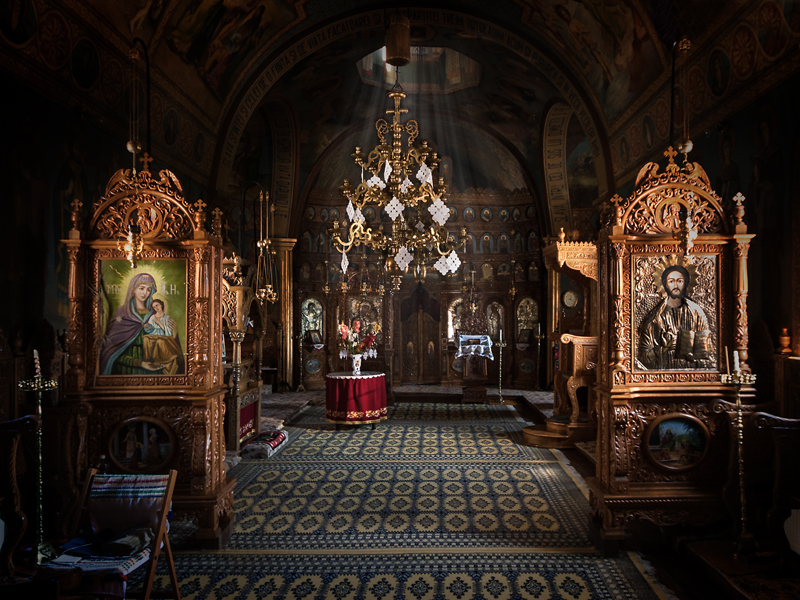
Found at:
[150, 379]
[664, 436]
[577, 353]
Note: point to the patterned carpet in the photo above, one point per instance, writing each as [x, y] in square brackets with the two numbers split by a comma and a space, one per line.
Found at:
[461, 576]
[440, 501]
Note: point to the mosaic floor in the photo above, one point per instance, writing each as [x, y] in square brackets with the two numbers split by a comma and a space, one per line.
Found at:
[439, 501]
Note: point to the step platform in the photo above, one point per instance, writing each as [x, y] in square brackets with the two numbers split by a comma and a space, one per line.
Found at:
[559, 432]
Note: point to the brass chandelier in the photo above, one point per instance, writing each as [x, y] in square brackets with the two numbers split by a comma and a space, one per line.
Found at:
[402, 186]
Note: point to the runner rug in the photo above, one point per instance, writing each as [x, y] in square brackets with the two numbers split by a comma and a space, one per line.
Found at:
[438, 501]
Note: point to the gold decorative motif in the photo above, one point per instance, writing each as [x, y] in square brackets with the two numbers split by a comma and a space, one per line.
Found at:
[660, 199]
[578, 256]
[156, 206]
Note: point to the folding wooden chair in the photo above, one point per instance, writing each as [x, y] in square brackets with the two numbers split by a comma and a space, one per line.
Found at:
[128, 518]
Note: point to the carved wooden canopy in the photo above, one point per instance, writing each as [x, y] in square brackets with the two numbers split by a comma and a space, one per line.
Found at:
[156, 205]
[657, 204]
[578, 256]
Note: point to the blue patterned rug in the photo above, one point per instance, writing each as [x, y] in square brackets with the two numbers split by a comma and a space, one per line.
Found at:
[462, 576]
[439, 501]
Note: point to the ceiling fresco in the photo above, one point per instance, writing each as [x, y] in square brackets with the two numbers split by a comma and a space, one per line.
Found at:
[612, 45]
[491, 118]
[488, 74]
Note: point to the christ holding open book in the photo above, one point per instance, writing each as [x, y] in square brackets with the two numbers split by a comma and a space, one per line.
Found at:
[675, 335]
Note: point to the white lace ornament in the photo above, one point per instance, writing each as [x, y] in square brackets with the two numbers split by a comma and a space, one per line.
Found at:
[439, 211]
[442, 265]
[345, 262]
[403, 258]
[424, 175]
[394, 208]
[454, 261]
[387, 170]
[375, 180]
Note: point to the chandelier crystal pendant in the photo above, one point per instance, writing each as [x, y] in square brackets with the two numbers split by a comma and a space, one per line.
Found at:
[265, 267]
[402, 186]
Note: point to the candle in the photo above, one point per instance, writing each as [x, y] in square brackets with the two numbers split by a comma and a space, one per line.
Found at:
[501, 335]
[735, 361]
[36, 363]
[727, 361]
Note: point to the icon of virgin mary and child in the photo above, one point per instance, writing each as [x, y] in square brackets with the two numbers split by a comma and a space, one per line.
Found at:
[141, 338]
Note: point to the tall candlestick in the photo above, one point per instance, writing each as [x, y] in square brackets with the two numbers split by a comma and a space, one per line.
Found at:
[727, 361]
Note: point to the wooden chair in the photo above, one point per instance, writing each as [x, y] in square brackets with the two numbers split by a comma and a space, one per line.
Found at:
[786, 479]
[122, 510]
[577, 368]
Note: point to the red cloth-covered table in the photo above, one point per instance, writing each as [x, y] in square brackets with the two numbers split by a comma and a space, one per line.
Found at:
[355, 399]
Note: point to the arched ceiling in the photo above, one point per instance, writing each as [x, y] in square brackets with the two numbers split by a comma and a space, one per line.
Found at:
[225, 65]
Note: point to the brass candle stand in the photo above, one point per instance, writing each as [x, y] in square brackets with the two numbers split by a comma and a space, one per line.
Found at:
[300, 386]
[501, 344]
[40, 385]
[538, 336]
[745, 543]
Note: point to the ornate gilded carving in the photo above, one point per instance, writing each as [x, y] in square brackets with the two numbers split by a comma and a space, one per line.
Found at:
[156, 206]
[741, 337]
[634, 400]
[189, 404]
[662, 512]
[660, 199]
[578, 256]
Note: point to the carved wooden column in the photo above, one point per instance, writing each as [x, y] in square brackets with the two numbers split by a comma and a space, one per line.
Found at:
[397, 340]
[618, 321]
[283, 250]
[740, 281]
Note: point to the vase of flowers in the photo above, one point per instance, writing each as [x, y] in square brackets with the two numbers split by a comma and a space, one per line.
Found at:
[356, 364]
[357, 343]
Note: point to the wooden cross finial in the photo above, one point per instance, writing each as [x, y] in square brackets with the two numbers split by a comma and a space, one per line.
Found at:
[76, 215]
[146, 159]
[200, 205]
[670, 153]
[217, 213]
[738, 214]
